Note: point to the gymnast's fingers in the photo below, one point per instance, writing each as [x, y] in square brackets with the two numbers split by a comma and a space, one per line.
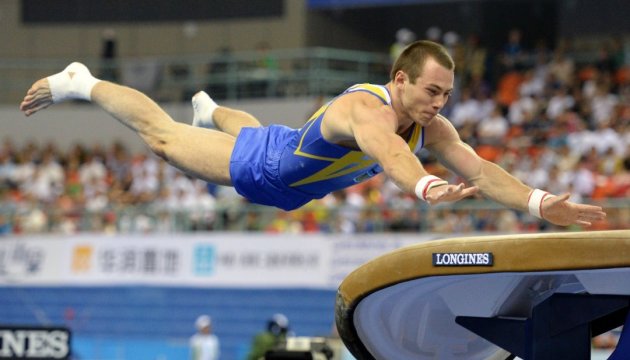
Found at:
[592, 215]
[590, 209]
[583, 222]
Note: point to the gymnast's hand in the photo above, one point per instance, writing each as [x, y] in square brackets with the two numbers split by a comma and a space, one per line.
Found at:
[449, 193]
[560, 211]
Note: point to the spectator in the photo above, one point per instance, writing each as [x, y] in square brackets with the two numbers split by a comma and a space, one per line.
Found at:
[263, 75]
[513, 54]
[622, 180]
[118, 161]
[109, 55]
[32, 218]
[467, 111]
[532, 85]
[434, 34]
[219, 66]
[492, 130]
[93, 174]
[204, 345]
[24, 169]
[584, 178]
[404, 37]
[508, 87]
[559, 102]
[562, 68]
[603, 103]
[521, 108]
[274, 335]
[6, 228]
[475, 58]
[537, 175]
[7, 169]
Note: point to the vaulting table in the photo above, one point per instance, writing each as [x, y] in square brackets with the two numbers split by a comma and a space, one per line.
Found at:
[535, 296]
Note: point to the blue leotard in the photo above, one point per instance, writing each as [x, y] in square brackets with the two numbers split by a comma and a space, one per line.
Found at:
[287, 168]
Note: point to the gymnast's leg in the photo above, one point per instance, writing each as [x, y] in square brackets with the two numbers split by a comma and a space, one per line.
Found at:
[203, 153]
[208, 114]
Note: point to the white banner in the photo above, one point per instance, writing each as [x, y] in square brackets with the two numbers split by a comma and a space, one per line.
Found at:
[207, 260]
[32, 260]
[351, 251]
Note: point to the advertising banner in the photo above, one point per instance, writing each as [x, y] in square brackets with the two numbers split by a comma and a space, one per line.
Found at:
[205, 260]
[41, 343]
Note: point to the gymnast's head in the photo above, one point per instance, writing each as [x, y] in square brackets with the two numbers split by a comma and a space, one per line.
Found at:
[414, 57]
[422, 81]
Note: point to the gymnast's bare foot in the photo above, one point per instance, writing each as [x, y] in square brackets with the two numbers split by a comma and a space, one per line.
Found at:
[74, 82]
[37, 98]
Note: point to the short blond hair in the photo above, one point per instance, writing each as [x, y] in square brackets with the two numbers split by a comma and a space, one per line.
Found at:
[411, 61]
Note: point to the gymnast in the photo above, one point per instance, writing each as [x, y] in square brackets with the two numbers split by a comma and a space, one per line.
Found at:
[366, 130]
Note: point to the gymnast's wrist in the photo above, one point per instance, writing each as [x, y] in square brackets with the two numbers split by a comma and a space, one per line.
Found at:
[535, 201]
[426, 183]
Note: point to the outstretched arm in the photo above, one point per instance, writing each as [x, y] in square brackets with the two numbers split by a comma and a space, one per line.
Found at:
[499, 186]
[374, 129]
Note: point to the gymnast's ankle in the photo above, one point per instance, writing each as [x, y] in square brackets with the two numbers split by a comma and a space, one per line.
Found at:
[203, 109]
[74, 82]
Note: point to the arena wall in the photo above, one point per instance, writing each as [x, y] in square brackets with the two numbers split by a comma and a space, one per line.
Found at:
[137, 296]
[139, 39]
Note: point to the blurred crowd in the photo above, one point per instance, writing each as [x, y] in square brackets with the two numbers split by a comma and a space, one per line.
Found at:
[554, 122]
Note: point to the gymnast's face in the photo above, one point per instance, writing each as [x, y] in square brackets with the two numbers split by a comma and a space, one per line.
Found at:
[422, 100]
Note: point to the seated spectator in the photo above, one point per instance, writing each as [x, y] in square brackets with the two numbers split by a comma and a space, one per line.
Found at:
[508, 87]
[559, 102]
[562, 67]
[492, 130]
[466, 111]
[621, 180]
[532, 85]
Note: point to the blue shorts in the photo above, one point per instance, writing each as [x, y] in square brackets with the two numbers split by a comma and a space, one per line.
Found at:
[254, 167]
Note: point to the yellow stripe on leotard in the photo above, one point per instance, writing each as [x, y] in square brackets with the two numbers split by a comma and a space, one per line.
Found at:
[353, 161]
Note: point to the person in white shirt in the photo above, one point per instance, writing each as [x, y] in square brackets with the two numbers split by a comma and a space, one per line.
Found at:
[204, 345]
[466, 111]
[560, 102]
[493, 129]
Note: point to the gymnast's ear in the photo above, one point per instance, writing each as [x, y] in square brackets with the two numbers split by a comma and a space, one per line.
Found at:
[400, 77]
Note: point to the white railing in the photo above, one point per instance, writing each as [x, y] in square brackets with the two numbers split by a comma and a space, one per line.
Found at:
[461, 217]
[276, 73]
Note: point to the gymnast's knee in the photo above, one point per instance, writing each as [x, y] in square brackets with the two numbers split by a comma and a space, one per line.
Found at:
[163, 138]
[158, 146]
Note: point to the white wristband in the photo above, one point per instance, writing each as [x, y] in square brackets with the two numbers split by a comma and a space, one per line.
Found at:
[536, 198]
[426, 183]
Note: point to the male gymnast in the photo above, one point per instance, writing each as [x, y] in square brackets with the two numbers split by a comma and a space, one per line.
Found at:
[364, 131]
